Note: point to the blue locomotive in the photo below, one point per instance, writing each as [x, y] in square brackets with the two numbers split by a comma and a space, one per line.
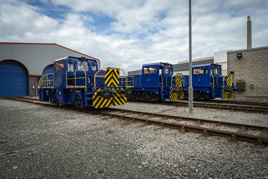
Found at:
[209, 83]
[78, 81]
[156, 83]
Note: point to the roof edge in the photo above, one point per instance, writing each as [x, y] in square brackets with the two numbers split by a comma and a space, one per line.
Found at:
[251, 49]
[25, 43]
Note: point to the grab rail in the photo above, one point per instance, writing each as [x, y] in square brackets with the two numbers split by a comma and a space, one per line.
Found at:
[74, 72]
[121, 82]
[45, 81]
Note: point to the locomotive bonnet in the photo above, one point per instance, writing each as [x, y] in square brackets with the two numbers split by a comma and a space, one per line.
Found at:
[78, 81]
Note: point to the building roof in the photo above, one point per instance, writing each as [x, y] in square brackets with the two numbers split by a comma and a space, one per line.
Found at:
[24, 43]
[36, 56]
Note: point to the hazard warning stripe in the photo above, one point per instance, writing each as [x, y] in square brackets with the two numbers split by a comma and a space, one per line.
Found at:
[115, 100]
[112, 77]
[112, 81]
[118, 99]
[174, 96]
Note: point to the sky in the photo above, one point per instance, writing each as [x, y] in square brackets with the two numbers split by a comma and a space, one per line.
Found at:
[129, 33]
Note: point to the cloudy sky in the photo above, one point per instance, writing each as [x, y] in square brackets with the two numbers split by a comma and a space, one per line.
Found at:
[128, 33]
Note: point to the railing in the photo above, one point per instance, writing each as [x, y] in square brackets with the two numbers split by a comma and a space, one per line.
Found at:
[71, 75]
[174, 80]
[212, 81]
[229, 80]
[162, 81]
[47, 81]
[129, 83]
[122, 80]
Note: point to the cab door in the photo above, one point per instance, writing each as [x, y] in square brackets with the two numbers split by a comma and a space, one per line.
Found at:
[150, 76]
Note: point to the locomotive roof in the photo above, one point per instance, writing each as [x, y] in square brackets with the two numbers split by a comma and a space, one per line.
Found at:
[156, 64]
[205, 65]
[73, 57]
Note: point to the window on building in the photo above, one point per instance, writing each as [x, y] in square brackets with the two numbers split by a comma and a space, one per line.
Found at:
[59, 66]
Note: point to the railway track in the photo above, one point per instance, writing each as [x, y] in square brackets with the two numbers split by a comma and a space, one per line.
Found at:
[216, 105]
[176, 122]
[237, 102]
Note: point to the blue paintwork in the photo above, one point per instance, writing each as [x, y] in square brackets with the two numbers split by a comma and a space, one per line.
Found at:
[152, 83]
[203, 83]
[13, 79]
[61, 94]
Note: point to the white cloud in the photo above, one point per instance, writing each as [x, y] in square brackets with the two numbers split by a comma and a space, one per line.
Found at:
[142, 31]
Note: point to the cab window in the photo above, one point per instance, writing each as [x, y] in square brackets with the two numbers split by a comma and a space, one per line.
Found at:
[166, 70]
[202, 70]
[150, 70]
[215, 71]
[70, 67]
[82, 65]
[59, 66]
[93, 67]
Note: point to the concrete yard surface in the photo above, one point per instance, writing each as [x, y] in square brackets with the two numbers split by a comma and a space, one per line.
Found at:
[46, 142]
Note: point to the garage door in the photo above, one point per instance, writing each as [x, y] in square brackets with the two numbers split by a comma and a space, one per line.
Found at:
[13, 79]
[48, 69]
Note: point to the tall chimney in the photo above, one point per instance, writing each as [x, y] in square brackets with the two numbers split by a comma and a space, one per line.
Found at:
[249, 35]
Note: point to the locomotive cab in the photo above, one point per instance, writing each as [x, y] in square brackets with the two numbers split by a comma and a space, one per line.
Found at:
[155, 83]
[209, 83]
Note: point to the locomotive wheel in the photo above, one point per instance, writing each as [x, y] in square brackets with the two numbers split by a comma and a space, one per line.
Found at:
[156, 97]
[52, 100]
[76, 103]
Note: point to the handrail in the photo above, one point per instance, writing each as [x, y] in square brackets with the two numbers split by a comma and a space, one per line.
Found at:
[181, 80]
[75, 78]
[98, 76]
[127, 82]
[125, 76]
[162, 81]
[47, 81]
[212, 80]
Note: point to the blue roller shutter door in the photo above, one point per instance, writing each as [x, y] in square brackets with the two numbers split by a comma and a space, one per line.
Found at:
[13, 79]
[48, 69]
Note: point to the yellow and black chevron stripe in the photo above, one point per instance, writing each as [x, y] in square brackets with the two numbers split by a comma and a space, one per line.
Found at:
[116, 100]
[229, 80]
[176, 96]
[227, 95]
[112, 76]
[178, 82]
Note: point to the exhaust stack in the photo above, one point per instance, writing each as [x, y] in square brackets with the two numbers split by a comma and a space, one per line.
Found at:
[249, 34]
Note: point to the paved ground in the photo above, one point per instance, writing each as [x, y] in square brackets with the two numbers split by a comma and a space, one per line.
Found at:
[42, 142]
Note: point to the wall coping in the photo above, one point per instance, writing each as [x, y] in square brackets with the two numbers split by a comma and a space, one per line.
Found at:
[245, 50]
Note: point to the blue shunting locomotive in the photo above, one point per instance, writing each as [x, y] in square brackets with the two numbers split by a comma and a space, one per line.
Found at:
[78, 81]
[209, 83]
[156, 83]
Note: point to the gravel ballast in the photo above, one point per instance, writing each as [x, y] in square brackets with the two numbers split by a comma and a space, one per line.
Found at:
[43, 142]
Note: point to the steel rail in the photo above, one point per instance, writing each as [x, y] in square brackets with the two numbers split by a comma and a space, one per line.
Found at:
[262, 140]
[232, 107]
[199, 120]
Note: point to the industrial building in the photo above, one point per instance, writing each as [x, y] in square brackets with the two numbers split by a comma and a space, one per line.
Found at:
[23, 64]
[249, 67]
